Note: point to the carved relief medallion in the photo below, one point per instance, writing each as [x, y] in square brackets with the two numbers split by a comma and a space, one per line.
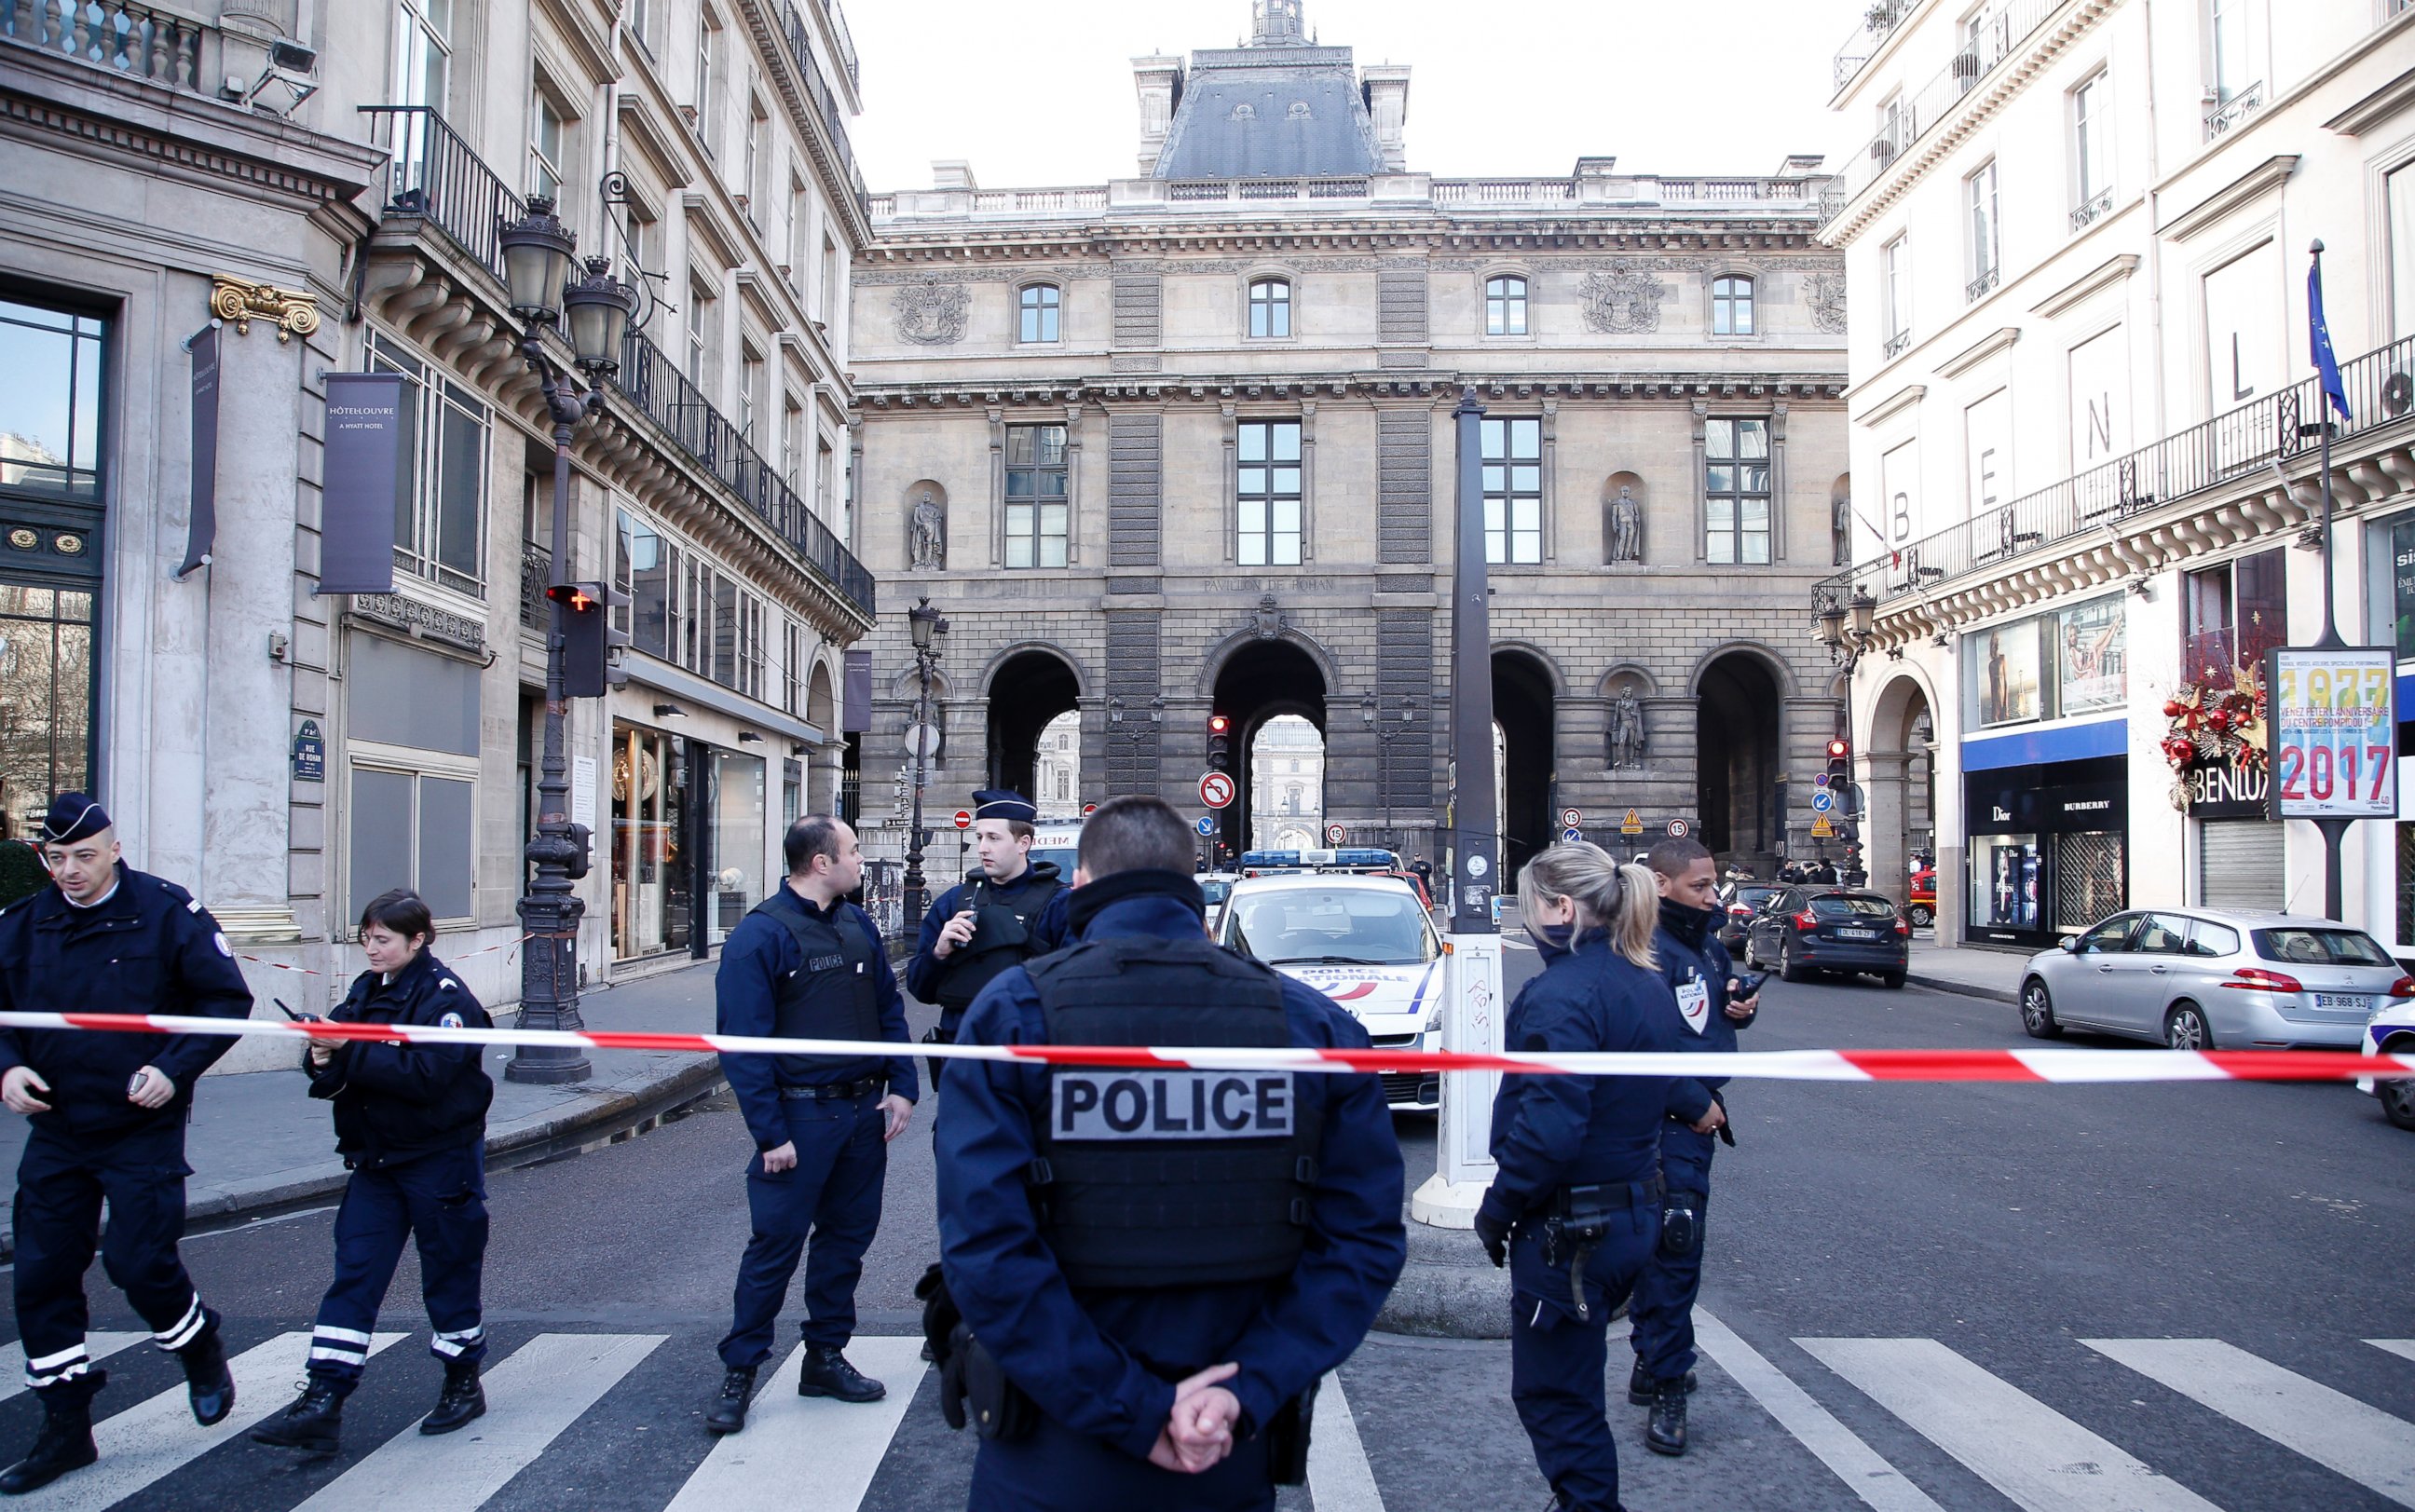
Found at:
[1620, 301]
[932, 313]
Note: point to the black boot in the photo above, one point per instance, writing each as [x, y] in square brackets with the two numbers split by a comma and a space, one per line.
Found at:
[207, 1382]
[64, 1444]
[315, 1422]
[462, 1399]
[826, 1373]
[728, 1413]
[1666, 1432]
[1639, 1386]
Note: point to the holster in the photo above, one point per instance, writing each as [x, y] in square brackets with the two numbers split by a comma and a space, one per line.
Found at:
[936, 1035]
[1579, 1220]
[1287, 1438]
[995, 1406]
[940, 1315]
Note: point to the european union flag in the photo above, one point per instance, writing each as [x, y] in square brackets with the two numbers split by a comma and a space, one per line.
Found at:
[2326, 360]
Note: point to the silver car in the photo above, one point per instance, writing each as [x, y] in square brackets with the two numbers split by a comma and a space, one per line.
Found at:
[2197, 979]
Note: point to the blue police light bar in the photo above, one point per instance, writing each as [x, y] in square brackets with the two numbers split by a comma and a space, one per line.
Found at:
[1357, 857]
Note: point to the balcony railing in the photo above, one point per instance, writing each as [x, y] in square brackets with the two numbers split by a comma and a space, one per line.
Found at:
[433, 173]
[846, 59]
[656, 386]
[536, 572]
[2220, 118]
[2242, 444]
[833, 114]
[137, 40]
[1896, 345]
[1771, 195]
[1979, 287]
[2088, 212]
[1863, 42]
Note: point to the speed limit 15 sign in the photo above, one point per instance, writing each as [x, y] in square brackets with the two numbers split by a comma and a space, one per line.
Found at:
[2332, 732]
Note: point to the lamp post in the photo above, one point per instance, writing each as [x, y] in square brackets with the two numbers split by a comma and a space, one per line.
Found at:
[929, 633]
[1387, 729]
[537, 266]
[1847, 630]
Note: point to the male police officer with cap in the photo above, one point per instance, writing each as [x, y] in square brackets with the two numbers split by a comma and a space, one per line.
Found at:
[1154, 1267]
[1003, 915]
[1712, 1008]
[108, 1113]
[808, 965]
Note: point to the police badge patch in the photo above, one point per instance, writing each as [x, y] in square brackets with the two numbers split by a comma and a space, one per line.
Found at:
[220, 941]
[450, 1021]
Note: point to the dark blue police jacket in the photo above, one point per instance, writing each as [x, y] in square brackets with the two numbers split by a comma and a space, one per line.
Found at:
[746, 1001]
[1687, 944]
[1050, 932]
[394, 1102]
[1551, 1131]
[1081, 1357]
[147, 947]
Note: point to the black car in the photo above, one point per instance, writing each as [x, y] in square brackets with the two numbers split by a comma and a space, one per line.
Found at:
[1738, 906]
[1807, 930]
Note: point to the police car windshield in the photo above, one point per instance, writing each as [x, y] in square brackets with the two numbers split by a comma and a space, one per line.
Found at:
[1216, 890]
[1335, 926]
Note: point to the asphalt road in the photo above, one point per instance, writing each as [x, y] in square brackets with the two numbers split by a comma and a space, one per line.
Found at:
[1903, 1281]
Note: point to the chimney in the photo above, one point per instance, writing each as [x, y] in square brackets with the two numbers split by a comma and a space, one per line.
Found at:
[952, 173]
[1385, 86]
[1159, 82]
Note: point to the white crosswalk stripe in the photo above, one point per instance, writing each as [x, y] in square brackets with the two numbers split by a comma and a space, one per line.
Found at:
[2402, 1348]
[1859, 1466]
[2040, 1459]
[530, 1398]
[97, 1347]
[1340, 1479]
[159, 1436]
[2331, 1428]
[809, 1454]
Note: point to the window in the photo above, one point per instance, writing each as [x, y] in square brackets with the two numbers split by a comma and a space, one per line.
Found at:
[1064, 785]
[792, 667]
[2398, 191]
[2246, 352]
[50, 429]
[1270, 307]
[439, 526]
[1979, 219]
[1895, 272]
[645, 249]
[2092, 162]
[725, 630]
[641, 21]
[2226, 39]
[792, 445]
[1037, 313]
[708, 81]
[648, 573]
[1513, 490]
[829, 291]
[825, 463]
[1505, 307]
[1731, 306]
[423, 54]
[415, 735]
[1736, 491]
[1269, 486]
[2230, 616]
[1035, 496]
[703, 337]
[792, 261]
[757, 123]
[545, 147]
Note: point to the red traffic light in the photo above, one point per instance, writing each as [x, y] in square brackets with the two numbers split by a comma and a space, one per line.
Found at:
[1219, 723]
[1838, 749]
[577, 597]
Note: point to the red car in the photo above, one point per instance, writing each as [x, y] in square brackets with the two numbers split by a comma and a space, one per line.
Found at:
[1920, 904]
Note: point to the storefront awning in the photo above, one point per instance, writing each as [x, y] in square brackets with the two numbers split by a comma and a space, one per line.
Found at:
[2037, 747]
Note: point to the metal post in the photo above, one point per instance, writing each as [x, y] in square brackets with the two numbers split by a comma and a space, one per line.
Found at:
[1474, 1010]
[916, 900]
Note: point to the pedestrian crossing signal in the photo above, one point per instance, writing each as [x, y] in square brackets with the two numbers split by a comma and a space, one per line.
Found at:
[591, 646]
[1220, 742]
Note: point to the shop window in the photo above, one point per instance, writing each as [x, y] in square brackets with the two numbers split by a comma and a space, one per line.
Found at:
[46, 690]
[52, 440]
[653, 860]
[2004, 881]
[2232, 615]
[414, 830]
[441, 497]
[738, 837]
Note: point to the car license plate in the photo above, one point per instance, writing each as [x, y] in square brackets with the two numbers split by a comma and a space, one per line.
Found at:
[1857, 933]
[2345, 1002]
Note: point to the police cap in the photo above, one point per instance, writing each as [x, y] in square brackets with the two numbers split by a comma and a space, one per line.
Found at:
[72, 817]
[999, 804]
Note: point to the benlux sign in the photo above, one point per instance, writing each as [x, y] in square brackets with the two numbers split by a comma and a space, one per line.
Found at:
[2228, 792]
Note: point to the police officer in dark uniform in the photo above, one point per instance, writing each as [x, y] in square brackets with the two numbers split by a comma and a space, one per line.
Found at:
[1575, 1209]
[1154, 1268]
[806, 964]
[1009, 912]
[108, 1113]
[1712, 1005]
[411, 1123]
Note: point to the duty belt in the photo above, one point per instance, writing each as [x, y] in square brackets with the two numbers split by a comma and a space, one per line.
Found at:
[831, 1091]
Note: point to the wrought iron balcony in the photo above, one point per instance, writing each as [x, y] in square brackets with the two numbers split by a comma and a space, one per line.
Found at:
[537, 571]
[1865, 41]
[2220, 118]
[139, 41]
[433, 173]
[2088, 212]
[833, 113]
[1896, 345]
[1979, 287]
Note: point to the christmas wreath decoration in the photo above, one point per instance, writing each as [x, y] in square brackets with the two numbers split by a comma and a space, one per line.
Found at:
[2214, 725]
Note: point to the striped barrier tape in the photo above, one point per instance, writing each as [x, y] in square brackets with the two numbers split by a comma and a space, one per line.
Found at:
[1774, 1065]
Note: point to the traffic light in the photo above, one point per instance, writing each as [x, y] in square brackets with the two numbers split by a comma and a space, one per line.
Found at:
[1840, 761]
[1220, 742]
[591, 649]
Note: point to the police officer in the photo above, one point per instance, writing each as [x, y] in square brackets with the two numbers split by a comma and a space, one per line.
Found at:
[1712, 1005]
[1006, 913]
[806, 964]
[108, 1113]
[411, 1123]
[1575, 1210]
[1154, 1268]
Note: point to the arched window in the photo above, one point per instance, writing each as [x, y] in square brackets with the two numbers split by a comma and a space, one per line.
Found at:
[1038, 313]
[1505, 306]
[1270, 307]
[1731, 306]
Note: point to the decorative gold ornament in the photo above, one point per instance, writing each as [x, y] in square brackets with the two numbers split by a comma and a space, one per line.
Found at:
[23, 539]
[239, 300]
[68, 545]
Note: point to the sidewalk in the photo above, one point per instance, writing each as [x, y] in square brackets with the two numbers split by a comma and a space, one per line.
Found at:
[258, 1140]
[1995, 974]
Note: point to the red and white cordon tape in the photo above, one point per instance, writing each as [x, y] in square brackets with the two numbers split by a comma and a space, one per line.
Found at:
[306, 971]
[1774, 1065]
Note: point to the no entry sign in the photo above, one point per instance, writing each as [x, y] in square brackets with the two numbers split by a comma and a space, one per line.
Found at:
[1216, 790]
[964, 818]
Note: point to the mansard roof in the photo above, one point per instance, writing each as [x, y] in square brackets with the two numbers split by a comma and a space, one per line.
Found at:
[1283, 110]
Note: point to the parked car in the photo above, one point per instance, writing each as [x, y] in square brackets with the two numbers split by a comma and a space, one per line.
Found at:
[1215, 887]
[1809, 930]
[2392, 1032]
[1920, 904]
[2196, 978]
[1744, 902]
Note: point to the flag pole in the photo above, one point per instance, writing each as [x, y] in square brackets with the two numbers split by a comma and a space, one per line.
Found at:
[2332, 828]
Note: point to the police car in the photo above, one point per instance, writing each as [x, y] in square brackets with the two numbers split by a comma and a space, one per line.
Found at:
[2392, 1031]
[1357, 935]
[1059, 841]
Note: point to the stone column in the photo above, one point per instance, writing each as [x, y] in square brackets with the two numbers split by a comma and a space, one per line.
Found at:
[825, 766]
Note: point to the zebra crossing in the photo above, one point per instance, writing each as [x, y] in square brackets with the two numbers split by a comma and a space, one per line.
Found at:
[815, 1454]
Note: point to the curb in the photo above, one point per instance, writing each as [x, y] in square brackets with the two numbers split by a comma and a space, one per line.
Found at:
[1967, 989]
[1447, 1290]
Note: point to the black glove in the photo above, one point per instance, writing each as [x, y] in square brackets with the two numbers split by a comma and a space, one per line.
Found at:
[1492, 1230]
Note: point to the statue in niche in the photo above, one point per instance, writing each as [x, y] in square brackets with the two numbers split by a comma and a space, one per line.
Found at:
[1626, 743]
[1840, 526]
[929, 535]
[1626, 526]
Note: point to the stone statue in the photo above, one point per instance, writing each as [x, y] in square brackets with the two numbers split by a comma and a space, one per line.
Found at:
[1840, 526]
[929, 541]
[1625, 731]
[1626, 526]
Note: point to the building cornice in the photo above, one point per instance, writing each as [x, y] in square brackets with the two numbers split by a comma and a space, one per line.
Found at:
[2242, 192]
[1893, 405]
[1400, 236]
[2113, 270]
[1433, 387]
[1979, 351]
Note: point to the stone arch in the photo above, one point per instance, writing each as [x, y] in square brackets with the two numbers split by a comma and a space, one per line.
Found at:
[1212, 665]
[1898, 767]
[903, 685]
[1048, 648]
[821, 708]
[1628, 674]
[1551, 665]
[1776, 665]
[1024, 688]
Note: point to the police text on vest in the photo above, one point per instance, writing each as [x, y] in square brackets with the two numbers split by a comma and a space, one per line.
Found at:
[1172, 1104]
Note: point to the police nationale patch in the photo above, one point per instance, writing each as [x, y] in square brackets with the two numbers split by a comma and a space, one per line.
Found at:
[450, 1021]
[220, 941]
[1171, 1104]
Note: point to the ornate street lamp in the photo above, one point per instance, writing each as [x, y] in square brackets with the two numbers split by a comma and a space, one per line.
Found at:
[1865, 610]
[929, 632]
[537, 261]
[1829, 624]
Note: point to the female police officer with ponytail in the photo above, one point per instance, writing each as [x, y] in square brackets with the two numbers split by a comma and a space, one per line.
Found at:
[1575, 1210]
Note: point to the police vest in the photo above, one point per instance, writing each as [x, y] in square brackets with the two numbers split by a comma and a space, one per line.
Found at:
[1001, 938]
[1154, 1177]
[834, 995]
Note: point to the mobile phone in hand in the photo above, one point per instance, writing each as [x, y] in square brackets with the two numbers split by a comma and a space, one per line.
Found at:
[1747, 983]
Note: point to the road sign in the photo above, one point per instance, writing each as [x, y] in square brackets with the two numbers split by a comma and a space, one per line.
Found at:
[1089, 809]
[1572, 833]
[964, 818]
[1571, 817]
[1818, 779]
[1335, 834]
[1679, 828]
[1822, 829]
[1632, 824]
[922, 741]
[1206, 825]
[1823, 800]
[1216, 790]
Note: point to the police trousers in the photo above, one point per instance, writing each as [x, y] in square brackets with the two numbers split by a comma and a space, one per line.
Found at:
[1663, 1309]
[61, 1181]
[440, 1199]
[1058, 1469]
[1556, 1359]
[830, 1196]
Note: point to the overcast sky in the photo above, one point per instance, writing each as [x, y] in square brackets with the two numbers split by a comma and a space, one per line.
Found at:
[1040, 92]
